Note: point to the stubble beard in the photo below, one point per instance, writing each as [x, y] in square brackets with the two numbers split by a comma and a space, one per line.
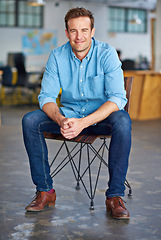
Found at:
[81, 50]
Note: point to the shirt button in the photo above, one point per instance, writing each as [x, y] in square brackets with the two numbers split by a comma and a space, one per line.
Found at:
[83, 110]
[81, 80]
[81, 66]
[82, 94]
[86, 100]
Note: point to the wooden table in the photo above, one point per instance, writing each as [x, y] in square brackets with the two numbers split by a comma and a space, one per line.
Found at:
[1, 73]
[146, 95]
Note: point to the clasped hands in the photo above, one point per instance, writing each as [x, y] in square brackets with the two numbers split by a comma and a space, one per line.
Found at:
[71, 127]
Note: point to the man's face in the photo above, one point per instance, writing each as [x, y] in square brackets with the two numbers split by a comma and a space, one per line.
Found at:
[79, 34]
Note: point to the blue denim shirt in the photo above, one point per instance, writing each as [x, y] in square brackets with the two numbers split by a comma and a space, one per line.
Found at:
[85, 85]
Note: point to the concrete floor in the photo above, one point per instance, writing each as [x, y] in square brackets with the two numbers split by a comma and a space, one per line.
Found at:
[71, 217]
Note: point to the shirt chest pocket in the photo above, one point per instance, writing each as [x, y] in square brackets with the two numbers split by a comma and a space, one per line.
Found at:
[95, 87]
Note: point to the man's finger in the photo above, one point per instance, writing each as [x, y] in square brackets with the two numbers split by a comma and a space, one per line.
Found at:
[70, 124]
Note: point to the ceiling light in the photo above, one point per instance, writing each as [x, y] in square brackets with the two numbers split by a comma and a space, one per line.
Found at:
[135, 20]
[36, 2]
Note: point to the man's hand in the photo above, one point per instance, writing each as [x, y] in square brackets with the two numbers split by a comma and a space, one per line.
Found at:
[71, 127]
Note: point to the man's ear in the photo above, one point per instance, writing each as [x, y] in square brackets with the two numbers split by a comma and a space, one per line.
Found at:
[93, 32]
[67, 34]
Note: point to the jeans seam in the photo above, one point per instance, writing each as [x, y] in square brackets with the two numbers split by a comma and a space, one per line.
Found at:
[43, 157]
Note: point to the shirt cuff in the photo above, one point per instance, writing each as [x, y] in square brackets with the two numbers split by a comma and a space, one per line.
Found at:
[46, 100]
[119, 102]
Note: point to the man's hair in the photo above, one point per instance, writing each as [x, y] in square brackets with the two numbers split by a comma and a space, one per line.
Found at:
[78, 12]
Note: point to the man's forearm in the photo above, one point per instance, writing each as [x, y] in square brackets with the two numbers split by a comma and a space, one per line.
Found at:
[52, 110]
[71, 127]
[100, 114]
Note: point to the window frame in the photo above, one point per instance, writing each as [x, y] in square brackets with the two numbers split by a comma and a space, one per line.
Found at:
[126, 28]
[17, 12]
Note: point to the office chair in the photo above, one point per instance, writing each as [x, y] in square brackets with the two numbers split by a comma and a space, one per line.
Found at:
[6, 76]
[82, 142]
[128, 64]
[23, 79]
[23, 75]
[7, 82]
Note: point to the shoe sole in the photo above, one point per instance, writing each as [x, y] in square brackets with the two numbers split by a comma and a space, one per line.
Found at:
[51, 204]
[118, 218]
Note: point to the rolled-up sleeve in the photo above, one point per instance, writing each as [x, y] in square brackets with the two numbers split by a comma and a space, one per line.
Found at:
[114, 79]
[50, 85]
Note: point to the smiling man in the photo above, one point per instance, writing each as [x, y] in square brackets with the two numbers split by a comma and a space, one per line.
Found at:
[80, 33]
[93, 99]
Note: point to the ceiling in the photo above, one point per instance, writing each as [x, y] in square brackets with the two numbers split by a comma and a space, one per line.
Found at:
[146, 4]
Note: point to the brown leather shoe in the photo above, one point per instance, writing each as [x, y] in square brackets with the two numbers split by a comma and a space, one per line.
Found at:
[41, 200]
[116, 206]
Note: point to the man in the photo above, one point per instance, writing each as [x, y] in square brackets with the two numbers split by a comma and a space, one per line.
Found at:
[93, 97]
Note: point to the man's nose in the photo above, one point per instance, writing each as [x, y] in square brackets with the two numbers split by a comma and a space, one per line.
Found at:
[79, 34]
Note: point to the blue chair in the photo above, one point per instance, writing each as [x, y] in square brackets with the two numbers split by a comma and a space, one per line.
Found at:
[7, 96]
[7, 76]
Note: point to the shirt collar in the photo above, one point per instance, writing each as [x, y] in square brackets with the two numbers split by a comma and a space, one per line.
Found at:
[88, 56]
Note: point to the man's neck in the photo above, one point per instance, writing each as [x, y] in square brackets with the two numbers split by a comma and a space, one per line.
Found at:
[82, 54]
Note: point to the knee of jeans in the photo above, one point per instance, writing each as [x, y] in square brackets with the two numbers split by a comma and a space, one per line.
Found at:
[27, 120]
[124, 122]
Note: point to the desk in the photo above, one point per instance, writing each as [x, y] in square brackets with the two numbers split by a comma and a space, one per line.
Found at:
[146, 95]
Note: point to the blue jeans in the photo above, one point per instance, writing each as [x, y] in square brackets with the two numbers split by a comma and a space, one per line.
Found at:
[118, 124]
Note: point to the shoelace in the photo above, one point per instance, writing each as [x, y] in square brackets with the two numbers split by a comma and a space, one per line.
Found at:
[36, 196]
[120, 203]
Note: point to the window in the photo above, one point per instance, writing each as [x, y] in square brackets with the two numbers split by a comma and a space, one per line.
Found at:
[7, 13]
[29, 16]
[127, 20]
[16, 13]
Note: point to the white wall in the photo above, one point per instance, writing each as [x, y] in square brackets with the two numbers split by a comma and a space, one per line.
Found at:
[132, 45]
[56, 19]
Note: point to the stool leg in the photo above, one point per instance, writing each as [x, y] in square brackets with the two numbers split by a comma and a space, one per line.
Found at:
[90, 180]
[128, 185]
[79, 165]
[77, 187]
[91, 205]
[130, 192]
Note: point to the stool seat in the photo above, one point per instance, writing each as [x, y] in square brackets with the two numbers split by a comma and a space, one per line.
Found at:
[80, 138]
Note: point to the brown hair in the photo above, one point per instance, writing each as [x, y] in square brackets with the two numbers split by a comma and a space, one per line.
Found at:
[78, 12]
